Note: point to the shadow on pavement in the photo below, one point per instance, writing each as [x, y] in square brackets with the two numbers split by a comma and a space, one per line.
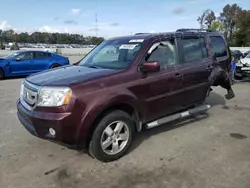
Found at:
[214, 99]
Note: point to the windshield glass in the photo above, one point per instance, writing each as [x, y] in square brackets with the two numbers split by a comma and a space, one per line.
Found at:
[12, 55]
[113, 54]
[248, 56]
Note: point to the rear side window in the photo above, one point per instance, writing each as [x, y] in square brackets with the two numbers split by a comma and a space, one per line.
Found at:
[218, 46]
[194, 49]
[41, 55]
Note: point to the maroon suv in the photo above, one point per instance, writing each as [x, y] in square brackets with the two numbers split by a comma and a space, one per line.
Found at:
[123, 85]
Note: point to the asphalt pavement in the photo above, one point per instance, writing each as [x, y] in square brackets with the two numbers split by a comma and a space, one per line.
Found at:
[207, 152]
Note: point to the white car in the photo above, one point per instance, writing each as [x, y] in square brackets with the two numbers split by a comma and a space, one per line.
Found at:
[243, 68]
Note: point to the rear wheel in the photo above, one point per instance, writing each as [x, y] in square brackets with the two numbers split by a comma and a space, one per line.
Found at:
[54, 66]
[112, 137]
[1, 75]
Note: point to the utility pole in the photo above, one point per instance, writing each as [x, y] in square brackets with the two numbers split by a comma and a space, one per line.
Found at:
[96, 20]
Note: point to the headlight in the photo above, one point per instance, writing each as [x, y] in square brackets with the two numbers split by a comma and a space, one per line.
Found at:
[239, 64]
[53, 96]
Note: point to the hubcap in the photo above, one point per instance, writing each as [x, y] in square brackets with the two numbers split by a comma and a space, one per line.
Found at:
[115, 137]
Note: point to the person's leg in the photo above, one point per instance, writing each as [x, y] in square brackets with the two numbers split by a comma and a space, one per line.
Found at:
[225, 83]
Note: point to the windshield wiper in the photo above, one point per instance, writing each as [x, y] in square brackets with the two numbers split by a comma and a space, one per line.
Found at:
[94, 67]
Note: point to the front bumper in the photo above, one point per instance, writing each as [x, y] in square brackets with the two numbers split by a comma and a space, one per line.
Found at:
[242, 71]
[38, 124]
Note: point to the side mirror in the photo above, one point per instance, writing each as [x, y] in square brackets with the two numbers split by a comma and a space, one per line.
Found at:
[150, 66]
[18, 59]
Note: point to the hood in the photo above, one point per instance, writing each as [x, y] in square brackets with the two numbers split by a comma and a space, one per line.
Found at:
[67, 75]
[245, 61]
[1, 59]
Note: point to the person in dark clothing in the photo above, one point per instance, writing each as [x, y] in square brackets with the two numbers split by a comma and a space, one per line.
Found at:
[220, 77]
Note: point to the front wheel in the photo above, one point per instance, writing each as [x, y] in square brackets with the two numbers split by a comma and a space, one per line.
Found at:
[112, 137]
[54, 66]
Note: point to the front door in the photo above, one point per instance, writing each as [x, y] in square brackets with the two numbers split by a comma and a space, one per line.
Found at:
[164, 87]
[21, 64]
[195, 68]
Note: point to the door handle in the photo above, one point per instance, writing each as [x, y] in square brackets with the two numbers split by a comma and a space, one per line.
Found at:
[209, 67]
[177, 75]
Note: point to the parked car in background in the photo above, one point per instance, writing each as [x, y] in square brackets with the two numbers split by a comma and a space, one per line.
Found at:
[246, 53]
[147, 81]
[236, 54]
[243, 68]
[24, 63]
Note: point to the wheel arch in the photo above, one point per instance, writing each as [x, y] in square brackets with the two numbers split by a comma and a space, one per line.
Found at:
[123, 106]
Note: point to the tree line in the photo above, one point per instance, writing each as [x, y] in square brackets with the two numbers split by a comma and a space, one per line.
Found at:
[233, 21]
[48, 38]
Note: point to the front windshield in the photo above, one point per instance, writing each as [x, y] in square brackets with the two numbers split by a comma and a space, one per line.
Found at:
[12, 55]
[113, 54]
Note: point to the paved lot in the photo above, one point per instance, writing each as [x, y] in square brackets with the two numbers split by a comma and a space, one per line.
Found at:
[213, 152]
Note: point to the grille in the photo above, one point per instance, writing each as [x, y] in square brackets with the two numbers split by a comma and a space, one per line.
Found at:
[29, 94]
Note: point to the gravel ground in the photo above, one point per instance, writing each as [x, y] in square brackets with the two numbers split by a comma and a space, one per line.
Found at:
[209, 152]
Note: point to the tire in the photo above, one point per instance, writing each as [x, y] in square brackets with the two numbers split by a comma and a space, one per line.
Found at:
[1, 75]
[112, 120]
[238, 77]
[54, 66]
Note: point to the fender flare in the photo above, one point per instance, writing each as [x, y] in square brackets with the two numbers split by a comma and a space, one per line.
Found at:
[94, 110]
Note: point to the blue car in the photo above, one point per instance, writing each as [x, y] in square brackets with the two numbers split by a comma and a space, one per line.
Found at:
[24, 63]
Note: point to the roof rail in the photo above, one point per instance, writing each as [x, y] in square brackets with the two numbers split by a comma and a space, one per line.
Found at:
[142, 33]
[193, 30]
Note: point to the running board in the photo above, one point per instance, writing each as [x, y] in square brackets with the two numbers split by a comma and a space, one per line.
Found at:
[167, 119]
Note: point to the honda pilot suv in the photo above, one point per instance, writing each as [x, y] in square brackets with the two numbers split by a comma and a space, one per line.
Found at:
[124, 85]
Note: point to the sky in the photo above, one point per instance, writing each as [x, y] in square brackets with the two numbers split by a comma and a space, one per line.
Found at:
[114, 17]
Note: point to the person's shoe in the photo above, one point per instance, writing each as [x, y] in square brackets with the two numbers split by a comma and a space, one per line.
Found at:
[230, 94]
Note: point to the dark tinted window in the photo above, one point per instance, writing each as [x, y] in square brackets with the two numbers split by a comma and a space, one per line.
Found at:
[41, 55]
[218, 46]
[164, 52]
[194, 49]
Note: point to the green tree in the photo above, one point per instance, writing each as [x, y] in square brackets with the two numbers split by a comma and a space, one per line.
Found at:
[217, 26]
[242, 35]
[209, 19]
[202, 19]
[228, 17]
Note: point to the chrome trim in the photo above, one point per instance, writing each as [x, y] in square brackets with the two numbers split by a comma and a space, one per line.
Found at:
[29, 95]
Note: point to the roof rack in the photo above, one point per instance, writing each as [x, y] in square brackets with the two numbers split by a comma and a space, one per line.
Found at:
[142, 33]
[193, 30]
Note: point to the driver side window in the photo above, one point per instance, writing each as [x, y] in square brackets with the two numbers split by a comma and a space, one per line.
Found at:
[164, 52]
[25, 56]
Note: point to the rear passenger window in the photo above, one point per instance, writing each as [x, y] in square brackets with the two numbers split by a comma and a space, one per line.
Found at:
[194, 49]
[40, 55]
[218, 46]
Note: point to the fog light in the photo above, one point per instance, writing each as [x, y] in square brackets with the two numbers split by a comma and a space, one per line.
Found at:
[52, 131]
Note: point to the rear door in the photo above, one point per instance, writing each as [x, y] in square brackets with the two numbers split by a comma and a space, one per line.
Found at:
[41, 61]
[164, 92]
[221, 51]
[195, 68]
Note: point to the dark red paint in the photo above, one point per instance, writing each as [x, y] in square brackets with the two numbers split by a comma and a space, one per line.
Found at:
[148, 94]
